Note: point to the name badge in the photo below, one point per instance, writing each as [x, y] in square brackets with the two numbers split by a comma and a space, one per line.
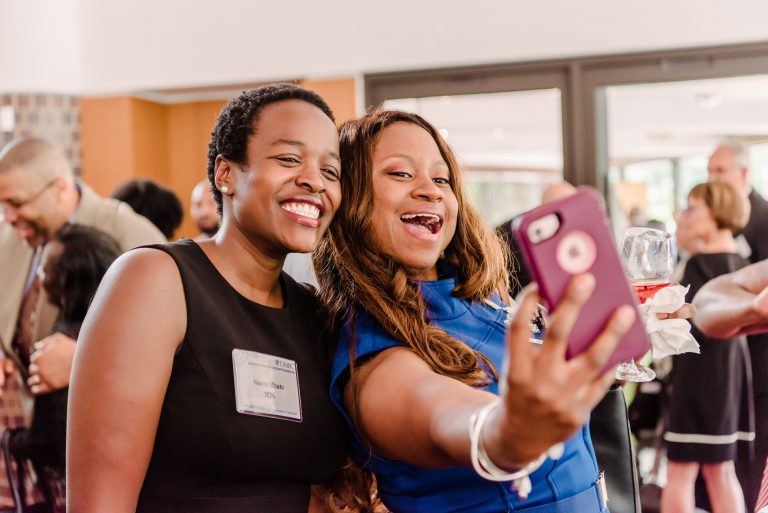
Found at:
[266, 385]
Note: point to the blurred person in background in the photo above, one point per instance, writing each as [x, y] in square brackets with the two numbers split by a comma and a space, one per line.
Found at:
[710, 407]
[732, 305]
[729, 163]
[39, 194]
[73, 264]
[155, 202]
[203, 210]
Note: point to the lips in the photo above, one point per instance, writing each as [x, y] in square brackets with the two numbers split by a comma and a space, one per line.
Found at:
[304, 210]
[428, 223]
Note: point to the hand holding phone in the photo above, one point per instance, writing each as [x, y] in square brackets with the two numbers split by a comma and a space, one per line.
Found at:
[569, 237]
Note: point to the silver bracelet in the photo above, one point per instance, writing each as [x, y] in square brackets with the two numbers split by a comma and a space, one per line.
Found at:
[486, 469]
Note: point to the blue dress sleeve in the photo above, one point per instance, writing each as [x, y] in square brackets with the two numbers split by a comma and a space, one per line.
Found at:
[370, 339]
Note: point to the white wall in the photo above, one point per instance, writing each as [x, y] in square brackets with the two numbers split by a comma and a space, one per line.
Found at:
[40, 46]
[150, 44]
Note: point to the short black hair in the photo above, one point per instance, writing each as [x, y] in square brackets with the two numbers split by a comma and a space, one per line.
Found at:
[86, 255]
[237, 122]
[153, 201]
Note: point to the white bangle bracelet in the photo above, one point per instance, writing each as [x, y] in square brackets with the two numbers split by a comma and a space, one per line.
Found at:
[486, 469]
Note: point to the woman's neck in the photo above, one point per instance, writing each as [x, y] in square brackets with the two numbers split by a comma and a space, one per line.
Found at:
[251, 270]
[721, 241]
[429, 274]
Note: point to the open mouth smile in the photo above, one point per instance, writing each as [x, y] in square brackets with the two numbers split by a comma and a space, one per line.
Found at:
[302, 209]
[428, 224]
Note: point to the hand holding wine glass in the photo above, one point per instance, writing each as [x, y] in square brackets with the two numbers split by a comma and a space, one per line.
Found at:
[649, 260]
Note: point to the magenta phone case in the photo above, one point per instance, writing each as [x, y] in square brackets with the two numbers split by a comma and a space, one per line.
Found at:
[554, 261]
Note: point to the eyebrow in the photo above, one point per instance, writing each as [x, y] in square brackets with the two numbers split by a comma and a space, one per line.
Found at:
[299, 144]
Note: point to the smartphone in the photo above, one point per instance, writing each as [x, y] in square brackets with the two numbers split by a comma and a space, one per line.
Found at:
[572, 236]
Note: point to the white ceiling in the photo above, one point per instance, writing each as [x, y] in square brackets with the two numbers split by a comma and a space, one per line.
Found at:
[680, 119]
[96, 47]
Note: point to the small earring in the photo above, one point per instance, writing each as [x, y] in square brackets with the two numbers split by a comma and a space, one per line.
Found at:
[224, 189]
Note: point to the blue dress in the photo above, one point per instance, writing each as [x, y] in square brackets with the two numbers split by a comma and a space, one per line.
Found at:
[567, 485]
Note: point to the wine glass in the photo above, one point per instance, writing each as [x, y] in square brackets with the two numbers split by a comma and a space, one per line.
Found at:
[649, 259]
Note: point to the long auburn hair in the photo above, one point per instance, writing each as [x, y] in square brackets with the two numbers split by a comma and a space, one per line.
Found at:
[355, 274]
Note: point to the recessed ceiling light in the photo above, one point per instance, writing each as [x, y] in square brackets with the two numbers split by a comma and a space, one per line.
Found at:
[709, 100]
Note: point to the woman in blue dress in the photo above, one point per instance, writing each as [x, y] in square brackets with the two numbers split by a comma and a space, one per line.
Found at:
[450, 405]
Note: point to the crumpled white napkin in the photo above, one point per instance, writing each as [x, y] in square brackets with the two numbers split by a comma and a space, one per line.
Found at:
[668, 336]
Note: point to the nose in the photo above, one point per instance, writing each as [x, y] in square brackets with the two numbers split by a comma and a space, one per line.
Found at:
[425, 189]
[310, 178]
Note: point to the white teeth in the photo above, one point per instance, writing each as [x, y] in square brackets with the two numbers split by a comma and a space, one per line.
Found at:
[431, 218]
[303, 209]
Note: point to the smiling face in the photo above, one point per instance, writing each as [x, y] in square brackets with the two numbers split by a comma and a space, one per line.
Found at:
[30, 204]
[414, 208]
[286, 193]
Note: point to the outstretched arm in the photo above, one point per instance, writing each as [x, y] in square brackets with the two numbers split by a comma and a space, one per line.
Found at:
[120, 374]
[423, 418]
[735, 303]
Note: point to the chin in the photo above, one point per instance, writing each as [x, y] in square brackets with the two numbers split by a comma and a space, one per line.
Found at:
[301, 246]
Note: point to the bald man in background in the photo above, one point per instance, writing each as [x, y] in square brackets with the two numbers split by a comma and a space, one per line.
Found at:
[39, 194]
[202, 210]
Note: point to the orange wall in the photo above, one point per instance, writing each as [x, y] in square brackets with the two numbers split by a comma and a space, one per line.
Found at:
[122, 138]
[150, 140]
[125, 138]
[340, 95]
[106, 135]
[189, 130]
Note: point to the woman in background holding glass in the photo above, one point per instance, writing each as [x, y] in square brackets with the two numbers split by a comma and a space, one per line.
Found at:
[709, 407]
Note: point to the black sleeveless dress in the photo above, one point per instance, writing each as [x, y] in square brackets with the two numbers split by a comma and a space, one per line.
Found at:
[208, 457]
[710, 394]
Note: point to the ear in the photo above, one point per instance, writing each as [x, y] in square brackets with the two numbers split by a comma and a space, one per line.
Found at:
[224, 175]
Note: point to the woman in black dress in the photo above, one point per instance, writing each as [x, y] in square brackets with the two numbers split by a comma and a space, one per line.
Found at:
[709, 410]
[200, 377]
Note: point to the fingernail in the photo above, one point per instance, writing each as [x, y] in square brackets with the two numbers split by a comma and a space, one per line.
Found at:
[584, 283]
[625, 316]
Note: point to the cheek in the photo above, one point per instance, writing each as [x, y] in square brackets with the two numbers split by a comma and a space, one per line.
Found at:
[452, 213]
[333, 191]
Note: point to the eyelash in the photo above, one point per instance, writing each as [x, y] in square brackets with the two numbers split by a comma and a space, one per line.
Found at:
[328, 171]
[332, 172]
